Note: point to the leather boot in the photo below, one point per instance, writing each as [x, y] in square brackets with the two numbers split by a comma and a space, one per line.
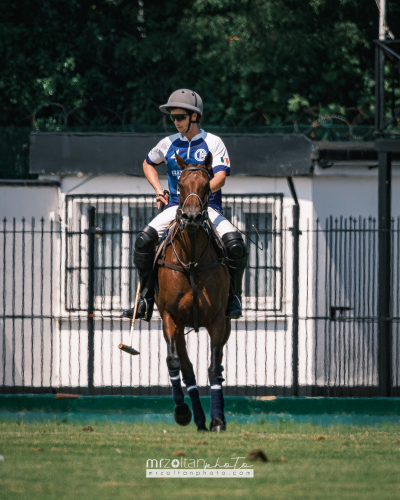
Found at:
[234, 307]
[144, 254]
[238, 256]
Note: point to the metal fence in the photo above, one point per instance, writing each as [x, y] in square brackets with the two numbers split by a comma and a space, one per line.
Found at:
[63, 286]
[341, 307]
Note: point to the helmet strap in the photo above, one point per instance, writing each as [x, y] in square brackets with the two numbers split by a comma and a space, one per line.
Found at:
[190, 122]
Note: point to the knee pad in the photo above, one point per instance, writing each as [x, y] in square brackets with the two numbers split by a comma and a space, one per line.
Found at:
[145, 246]
[235, 247]
[146, 240]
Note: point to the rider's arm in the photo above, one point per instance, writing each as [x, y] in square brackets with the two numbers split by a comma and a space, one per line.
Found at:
[152, 176]
[218, 181]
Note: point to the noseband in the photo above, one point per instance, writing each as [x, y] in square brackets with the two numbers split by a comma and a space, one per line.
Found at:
[203, 205]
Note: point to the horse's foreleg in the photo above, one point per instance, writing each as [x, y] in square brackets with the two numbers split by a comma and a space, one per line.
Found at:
[172, 332]
[189, 379]
[217, 334]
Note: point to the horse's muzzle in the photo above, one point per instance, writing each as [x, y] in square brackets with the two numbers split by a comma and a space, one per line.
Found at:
[192, 222]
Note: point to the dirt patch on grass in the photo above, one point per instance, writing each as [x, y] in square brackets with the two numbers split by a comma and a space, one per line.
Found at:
[258, 456]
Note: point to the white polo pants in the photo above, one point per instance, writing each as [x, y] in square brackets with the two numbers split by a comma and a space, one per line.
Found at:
[164, 219]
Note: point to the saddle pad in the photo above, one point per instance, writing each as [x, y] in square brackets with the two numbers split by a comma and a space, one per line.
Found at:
[215, 239]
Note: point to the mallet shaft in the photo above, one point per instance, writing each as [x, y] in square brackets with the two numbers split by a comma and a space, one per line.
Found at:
[134, 313]
[128, 348]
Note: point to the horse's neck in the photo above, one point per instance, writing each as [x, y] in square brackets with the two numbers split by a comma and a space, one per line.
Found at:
[200, 243]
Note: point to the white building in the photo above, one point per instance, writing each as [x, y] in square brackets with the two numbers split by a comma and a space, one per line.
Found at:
[44, 340]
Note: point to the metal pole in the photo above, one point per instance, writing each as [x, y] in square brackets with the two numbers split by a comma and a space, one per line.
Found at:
[382, 20]
[296, 268]
[379, 90]
[380, 73]
[90, 307]
[384, 272]
[384, 220]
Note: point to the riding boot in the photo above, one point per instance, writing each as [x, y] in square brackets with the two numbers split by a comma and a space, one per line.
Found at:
[143, 257]
[237, 260]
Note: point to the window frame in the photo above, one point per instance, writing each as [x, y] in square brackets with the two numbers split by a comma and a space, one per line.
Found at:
[76, 236]
[266, 304]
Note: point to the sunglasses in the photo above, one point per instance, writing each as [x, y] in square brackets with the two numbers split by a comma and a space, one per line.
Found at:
[179, 117]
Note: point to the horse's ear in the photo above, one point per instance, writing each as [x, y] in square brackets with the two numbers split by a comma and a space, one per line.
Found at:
[181, 162]
[208, 161]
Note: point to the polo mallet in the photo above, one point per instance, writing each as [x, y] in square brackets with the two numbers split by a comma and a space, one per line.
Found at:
[128, 348]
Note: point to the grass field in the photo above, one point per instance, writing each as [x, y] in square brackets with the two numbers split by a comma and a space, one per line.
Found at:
[58, 460]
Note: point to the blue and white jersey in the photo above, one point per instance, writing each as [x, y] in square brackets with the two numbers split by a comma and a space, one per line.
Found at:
[194, 151]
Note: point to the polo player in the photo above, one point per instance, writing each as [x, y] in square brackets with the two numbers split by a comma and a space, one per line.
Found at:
[191, 143]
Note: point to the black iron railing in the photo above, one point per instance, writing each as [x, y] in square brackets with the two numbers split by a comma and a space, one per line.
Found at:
[63, 285]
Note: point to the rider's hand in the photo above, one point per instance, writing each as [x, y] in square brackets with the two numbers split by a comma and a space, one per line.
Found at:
[162, 198]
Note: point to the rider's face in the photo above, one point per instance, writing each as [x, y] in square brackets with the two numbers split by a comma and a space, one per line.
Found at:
[184, 124]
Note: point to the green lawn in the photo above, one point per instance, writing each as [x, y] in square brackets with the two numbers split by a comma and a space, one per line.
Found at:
[62, 461]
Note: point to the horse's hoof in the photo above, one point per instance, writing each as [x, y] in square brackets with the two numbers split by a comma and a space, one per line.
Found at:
[202, 429]
[182, 414]
[217, 425]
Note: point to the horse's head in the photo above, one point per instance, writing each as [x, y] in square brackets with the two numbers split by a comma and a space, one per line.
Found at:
[194, 190]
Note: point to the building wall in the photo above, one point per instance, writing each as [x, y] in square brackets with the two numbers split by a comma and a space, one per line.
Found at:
[28, 201]
[330, 192]
[351, 192]
[258, 353]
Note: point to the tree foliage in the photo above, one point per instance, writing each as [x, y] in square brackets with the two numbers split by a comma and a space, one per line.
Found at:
[81, 62]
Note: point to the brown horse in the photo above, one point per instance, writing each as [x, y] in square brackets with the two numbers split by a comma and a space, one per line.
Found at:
[193, 291]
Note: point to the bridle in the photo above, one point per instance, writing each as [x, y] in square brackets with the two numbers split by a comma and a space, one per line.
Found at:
[192, 267]
[203, 204]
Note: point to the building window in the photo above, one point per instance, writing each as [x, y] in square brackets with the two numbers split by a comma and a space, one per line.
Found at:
[260, 219]
[108, 261]
[118, 221]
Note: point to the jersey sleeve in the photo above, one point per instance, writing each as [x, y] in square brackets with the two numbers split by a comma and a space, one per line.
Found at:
[220, 158]
[157, 154]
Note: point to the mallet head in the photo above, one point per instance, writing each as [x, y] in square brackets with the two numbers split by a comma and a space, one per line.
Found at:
[128, 349]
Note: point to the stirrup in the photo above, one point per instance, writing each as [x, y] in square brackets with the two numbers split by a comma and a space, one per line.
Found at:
[234, 307]
[144, 310]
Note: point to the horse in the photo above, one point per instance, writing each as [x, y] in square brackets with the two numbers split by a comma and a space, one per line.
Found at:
[193, 287]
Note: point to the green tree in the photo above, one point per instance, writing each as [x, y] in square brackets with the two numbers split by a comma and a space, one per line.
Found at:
[81, 62]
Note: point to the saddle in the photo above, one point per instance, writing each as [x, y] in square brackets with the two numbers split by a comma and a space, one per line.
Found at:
[192, 267]
[169, 234]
